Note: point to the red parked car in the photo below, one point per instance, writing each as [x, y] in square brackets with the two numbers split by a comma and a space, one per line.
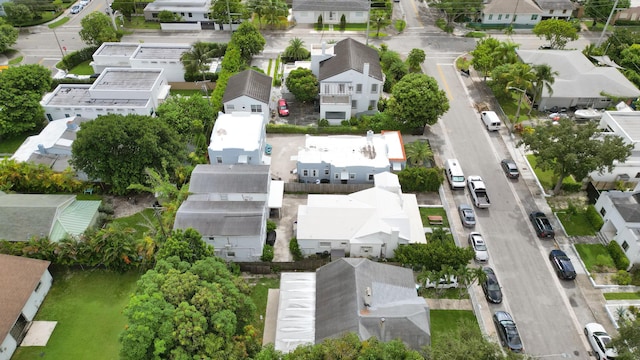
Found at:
[283, 107]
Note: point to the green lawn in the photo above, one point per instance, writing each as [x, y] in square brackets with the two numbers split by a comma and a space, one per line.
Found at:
[429, 211]
[10, 144]
[546, 178]
[84, 68]
[444, 321]
[143, 221]
[576, 224]
[594, 256]
[88, 308]
[259, 294]
[622, 296]
[60, 22]
[138, 22]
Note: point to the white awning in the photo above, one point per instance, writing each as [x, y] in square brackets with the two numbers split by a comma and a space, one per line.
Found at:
[276, 193]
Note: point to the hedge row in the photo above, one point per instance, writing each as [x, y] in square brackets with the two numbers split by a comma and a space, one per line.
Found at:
[297, 129]
[75, 58]
[618, 255]
[594, 217]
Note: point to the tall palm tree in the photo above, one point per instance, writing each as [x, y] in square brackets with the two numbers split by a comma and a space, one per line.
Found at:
[418, 152]
[275, 11]
[258, 7]
[196, 60]
[296, 50]
[505, 53]
[544, 78]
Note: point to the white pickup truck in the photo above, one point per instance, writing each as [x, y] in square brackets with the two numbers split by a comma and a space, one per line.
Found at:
[478, 191]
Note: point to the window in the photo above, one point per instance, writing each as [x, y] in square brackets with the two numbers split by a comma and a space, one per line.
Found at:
[637, 175]
[352, 176]
[305, 172]
[490, 16]
[564, 11]
[230, 107]
[314, 172]
[154, 15]
[256, 108]
[190, 15]
[231, 253]
[211, 238]
[326, 89]
[354, 104]
[370, 177]
[374, 88]
[341, 88]
[336, 176]
[506, 17]
[603, 212]
[182, 14]
[359, 89]
[326, 171]
[38, 286]
[534, 17]
[325, 244]
[344, 243]
[551, 12]
[219, 159]
[625, 246]
[67, 115]
[499, 16]
[372, 104]
[366, 249]
[331, 15]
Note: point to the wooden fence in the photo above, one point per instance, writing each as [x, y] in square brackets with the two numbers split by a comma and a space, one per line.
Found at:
[275, 267]
[311, 188]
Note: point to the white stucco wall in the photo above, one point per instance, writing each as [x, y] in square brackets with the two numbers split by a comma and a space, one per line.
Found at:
[244, 248]
[330, 17]
[8, 347]
[243, 104]
[92, 112]
[173, 69]
[37, 297]
[521, 19]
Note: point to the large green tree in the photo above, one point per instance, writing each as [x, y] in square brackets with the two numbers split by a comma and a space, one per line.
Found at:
[275, 12]
[187, 311]
[628, 340]
[21, 89]
[302, 84]
[415, 58]
[379, 19]
[248, 39]
[97, 28]
[557, 32]
[17, 14]
[8, 35]
[457, 11]
[117, 149]
[483, 58]
[189, 116]
[417, 101]
[570, 149]
[125, 7]
[223, 10]
[505, 78]
[599, 10]
[621, 39]
[432, 256]
[630, 60]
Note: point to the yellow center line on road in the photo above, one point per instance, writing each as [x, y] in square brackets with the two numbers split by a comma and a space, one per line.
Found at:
[444, 82]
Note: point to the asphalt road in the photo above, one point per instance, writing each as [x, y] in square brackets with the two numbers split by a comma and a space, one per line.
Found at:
[542, 305]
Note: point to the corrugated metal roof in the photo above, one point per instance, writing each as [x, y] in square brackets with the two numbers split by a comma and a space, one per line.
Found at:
[75, 219]
[221, 218]
[226, 179]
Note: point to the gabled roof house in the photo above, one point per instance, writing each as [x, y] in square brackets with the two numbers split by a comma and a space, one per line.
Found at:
[24, 282]
[556, 9]
[23, 216]
[308, 11]
[229, 205]
[368, 223]
[357, 296]
[621, 214]
[350, 80]
[579, 83]
[524, 13]
[248, 91]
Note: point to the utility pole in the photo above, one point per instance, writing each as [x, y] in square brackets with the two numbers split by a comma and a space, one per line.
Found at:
[613, 9]
[368, 21]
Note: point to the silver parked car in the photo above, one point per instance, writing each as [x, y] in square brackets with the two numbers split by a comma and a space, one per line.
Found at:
[467, 215]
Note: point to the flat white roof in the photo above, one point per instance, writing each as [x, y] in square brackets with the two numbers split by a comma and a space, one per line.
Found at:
[116, 49]
[628, 122]
[349, 150]
[395, 145]
[127, 79]
[238, 130]
[48, 137]
[296, 311]
[160, 51]
[276, 193]
[72, 95]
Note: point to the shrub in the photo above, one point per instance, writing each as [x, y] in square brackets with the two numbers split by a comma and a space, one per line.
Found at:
[295, 250]
[319, 25]
[267, 253]
[343, 22]
[594, 217]
[618, 255]
[622, 277]
[271, 225]
[571, 186]
[192, 77]
[74, 59]
[323, 122]
[441, 23]
[420, 179]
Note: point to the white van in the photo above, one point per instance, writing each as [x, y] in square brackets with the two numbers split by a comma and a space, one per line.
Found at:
[490, 120]
[453, 173]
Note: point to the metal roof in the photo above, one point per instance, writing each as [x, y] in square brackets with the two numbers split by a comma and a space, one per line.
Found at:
[221, 218]
[75, 219]
[249, 83]
[226, 179]
[19, 277]
[351, 55]
[556, 5]
[76, 95]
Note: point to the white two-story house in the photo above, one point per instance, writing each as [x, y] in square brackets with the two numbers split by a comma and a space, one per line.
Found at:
[116, 91]
[239, 138]
[189, 10]
[621, 214]
[350, 80]
[350, 159]
[249, 92]
[625, 125]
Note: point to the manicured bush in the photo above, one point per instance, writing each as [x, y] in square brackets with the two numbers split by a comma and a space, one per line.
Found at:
[267, 253]
[622, 277]
[323, 122]
[73, 59]
[271, 225]
[420, 179]
[594, 217]
[571, 186]
[295, 250]
[618, 255]
[192, 77]
[343, 22]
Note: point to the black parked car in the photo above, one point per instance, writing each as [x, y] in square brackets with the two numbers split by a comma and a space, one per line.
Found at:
[510, 168]
[491, 287]
[562, 265]
[541, 224]
[507, 331]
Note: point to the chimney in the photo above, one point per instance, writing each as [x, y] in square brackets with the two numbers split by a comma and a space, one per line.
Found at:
[42, 149]
[365, 69]
[71, 126]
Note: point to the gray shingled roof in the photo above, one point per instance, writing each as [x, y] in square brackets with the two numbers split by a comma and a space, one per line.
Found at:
[23, 216]
[628, 207]
[250, 83]
[19, 277]
[351, 55]
[511, 7]
[220, 218]
[227, 179]
[395, 309]
[326, 5]
[555, 5]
